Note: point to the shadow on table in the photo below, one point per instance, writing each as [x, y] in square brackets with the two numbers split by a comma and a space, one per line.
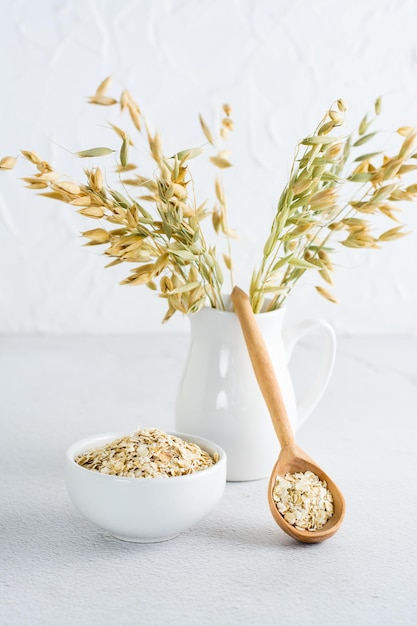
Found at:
[57, 531]
[244, 533]
[39, 534]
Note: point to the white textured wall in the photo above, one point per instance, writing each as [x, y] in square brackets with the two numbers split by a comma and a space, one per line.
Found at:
[279, 63]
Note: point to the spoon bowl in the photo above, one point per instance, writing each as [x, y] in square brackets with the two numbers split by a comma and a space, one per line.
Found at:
[292, 458]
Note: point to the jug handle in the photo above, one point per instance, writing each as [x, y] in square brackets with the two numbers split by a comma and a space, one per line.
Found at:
[321, 379]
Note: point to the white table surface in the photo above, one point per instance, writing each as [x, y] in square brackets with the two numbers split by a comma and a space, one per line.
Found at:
[235, 567]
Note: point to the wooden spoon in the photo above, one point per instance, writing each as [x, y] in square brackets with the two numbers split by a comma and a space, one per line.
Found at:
[291, 458]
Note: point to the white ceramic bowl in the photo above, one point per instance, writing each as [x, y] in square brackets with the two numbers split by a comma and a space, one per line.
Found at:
[144, 510]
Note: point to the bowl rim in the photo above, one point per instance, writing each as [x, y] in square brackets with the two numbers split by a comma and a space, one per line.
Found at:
[88, 442]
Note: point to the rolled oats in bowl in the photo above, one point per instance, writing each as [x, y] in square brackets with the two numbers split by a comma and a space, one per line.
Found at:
[148, 453]
[103, 476]
[303, 500]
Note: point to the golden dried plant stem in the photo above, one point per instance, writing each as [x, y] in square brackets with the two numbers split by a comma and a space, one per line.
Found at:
[166, 243]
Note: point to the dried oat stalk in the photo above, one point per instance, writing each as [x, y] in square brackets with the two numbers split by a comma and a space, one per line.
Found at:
[153, 221]
[221, 160]
[334, 189]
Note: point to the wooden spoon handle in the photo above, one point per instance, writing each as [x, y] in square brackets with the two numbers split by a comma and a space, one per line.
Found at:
[262, 365]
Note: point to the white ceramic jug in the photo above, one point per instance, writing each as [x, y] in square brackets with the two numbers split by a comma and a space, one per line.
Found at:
[219, 398]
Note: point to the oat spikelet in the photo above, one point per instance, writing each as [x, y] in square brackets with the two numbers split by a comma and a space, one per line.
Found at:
[7, 163]
[102, 100]
[220, 162]
[206, 131]
[94, 152]
[326, 294]
[104, 86]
